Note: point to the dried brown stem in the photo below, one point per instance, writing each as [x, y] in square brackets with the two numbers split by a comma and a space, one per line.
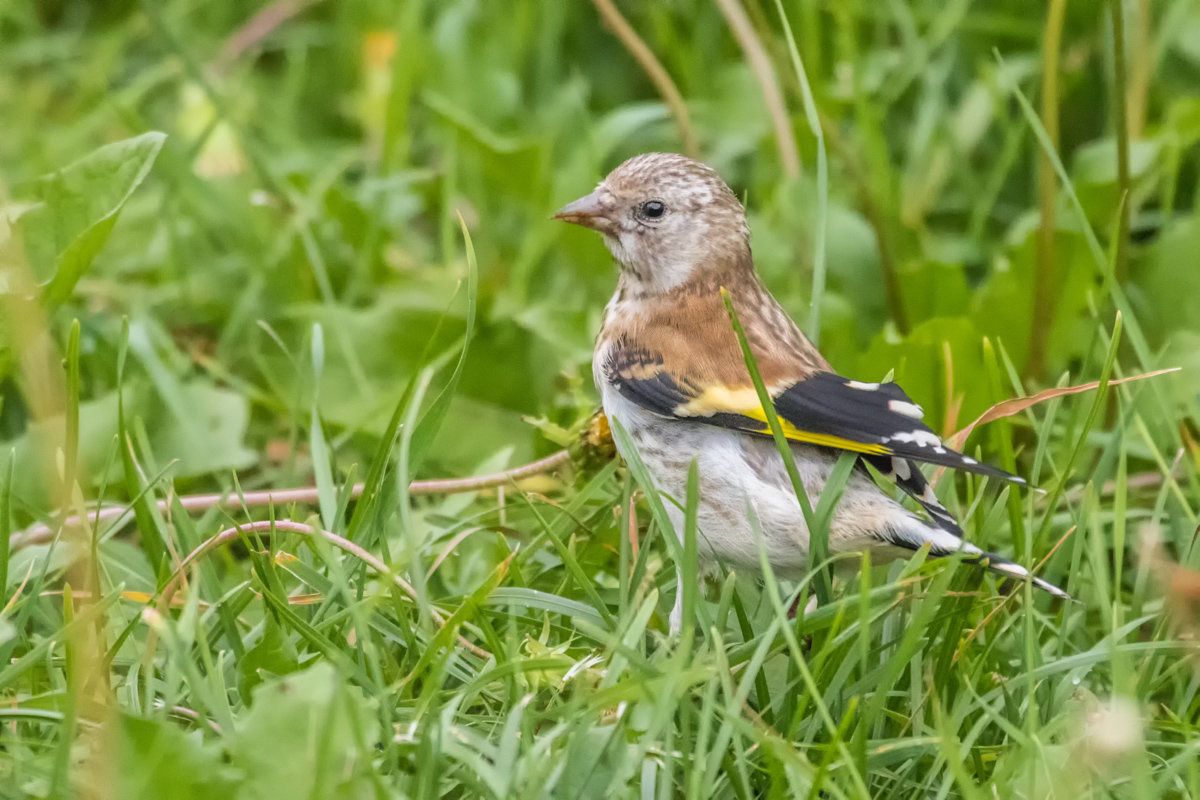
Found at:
[760, 64]
[257, 28]
[191, 715]
[41, 532]
[654, 70]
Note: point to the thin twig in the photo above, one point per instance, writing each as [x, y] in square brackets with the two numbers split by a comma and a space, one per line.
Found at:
[257, 28]
[41, 532]
[183, 712]
[654, 70]
[760, 64]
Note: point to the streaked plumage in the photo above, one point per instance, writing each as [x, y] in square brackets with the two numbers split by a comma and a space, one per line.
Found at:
[669, 367]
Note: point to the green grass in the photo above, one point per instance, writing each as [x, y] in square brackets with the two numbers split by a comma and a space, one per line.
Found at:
[313, 250]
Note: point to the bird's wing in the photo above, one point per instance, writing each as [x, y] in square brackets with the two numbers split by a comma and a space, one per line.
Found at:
[877, 420]
[908, 477]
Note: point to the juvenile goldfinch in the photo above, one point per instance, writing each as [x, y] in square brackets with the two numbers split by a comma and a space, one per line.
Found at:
[669, 368]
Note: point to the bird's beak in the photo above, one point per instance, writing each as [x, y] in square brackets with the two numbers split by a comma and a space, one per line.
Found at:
[590, 211]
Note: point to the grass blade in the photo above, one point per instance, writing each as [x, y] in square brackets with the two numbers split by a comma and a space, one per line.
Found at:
[818, 536]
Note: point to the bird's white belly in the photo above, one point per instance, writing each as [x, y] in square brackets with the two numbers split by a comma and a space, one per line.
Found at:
[736, 472]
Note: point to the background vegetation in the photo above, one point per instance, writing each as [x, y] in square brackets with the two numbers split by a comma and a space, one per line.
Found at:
[234, 256]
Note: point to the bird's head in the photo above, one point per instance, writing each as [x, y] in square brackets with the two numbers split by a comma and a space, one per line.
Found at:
[667, 219]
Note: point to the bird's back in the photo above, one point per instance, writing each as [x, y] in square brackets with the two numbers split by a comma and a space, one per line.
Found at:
[688, 334]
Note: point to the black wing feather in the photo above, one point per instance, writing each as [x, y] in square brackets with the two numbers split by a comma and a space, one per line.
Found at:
[640, 378]
[830, 404]
[908, 477]
[880, 416]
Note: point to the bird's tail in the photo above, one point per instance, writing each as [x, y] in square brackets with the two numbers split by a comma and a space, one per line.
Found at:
[944, 543]
[1012, 569]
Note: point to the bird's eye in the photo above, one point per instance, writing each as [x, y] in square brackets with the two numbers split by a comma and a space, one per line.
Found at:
[652, 209]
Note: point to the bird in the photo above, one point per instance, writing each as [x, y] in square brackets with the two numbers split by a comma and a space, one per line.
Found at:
[670, 371]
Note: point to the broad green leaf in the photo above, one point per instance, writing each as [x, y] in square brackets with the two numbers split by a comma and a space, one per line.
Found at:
[433, 417]
[272, 656]
[300, 737]
[79, 205]
[1095, 177]
[1003, 306]
[1167, 276]
[204, 434]
[156, 758]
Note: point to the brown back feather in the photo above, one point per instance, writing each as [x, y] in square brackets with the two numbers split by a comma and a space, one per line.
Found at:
[690, 330]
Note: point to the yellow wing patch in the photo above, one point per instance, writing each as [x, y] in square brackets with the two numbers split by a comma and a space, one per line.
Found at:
[744, 401]
[720, 400]
[793, 433]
